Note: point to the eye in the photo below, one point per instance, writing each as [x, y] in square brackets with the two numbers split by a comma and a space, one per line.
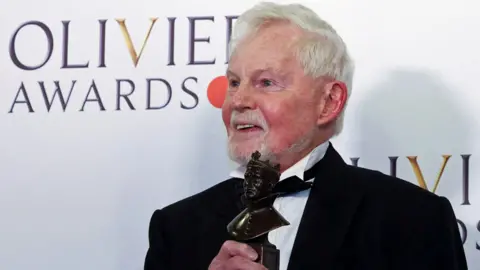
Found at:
[266, 82]
[233, 83]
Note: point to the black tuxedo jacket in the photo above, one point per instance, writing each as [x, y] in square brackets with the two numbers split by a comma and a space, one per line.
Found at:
[354, 219]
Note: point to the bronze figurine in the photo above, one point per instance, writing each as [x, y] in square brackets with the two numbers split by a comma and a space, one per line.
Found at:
[259, 217]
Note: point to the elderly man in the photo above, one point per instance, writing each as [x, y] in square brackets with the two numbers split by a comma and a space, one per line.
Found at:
[289, 79]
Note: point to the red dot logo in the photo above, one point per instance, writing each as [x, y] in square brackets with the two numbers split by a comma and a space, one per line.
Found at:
[216, 91]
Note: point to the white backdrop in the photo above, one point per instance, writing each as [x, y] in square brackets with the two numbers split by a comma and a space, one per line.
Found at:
[78, 187]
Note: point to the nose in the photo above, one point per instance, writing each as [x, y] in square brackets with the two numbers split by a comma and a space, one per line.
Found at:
[243, 99]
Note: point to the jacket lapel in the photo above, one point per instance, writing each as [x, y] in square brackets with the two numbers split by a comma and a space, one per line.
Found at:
[227, 202]
[223, 205]
[329, 210]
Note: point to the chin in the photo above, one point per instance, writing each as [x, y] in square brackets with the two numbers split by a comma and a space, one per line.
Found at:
[241, 153]
[240, 158]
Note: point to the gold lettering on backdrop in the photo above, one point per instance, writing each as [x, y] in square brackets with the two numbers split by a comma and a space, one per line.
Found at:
[128, 39]
[418, 172]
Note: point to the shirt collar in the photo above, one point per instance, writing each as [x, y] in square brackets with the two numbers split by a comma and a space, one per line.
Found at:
[298, 168]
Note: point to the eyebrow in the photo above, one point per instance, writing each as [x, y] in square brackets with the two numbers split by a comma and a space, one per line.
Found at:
[231, 73]
[259, 71]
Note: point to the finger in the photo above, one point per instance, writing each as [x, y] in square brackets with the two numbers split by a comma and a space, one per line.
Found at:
[231, 248]
[242, 263]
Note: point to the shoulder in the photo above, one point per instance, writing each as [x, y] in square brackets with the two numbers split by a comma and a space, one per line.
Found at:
[411, 225]
[396, 197]
[377, 183]
[416, 225]
[198, 204]
[401, 211]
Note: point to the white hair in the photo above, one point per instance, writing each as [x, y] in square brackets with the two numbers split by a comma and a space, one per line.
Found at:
[323, 56]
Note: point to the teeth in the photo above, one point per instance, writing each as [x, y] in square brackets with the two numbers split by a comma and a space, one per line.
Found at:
[244, 126]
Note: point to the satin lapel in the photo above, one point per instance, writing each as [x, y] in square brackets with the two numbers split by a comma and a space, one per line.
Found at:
[329, 210]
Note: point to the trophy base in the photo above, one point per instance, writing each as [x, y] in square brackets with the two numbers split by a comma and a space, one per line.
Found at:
[268, 255]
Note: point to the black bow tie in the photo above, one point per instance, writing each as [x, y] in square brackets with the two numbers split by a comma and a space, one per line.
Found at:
[291, 185]
[294, 184]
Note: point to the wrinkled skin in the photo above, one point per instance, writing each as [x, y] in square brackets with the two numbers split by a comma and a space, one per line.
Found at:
[292, 112]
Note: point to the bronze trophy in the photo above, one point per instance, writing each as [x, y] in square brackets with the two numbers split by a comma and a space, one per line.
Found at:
[259, 217]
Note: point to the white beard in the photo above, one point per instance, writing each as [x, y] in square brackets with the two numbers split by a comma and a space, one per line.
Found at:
[265, 149]
[266, 153]
[242, 157]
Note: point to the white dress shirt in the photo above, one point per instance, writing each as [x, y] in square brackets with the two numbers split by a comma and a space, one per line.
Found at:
[291, 207]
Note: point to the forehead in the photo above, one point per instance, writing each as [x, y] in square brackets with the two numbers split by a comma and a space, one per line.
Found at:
[271, 47]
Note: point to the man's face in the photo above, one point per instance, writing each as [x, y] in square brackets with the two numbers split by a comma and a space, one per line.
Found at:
[271, 105]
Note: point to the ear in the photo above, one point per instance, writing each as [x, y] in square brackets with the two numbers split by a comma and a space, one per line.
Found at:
[334, 100]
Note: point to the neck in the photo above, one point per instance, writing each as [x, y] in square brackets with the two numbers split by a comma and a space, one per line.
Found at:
[291, 156]
[289, 159]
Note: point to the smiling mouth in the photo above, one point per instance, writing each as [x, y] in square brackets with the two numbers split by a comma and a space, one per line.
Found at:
[247, 128]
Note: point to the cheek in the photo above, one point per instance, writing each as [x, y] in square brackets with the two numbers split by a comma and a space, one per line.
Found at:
[279, 115]
[226, 112]
[287, 124]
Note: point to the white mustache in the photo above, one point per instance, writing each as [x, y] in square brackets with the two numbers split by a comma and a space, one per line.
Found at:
[249, 117]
